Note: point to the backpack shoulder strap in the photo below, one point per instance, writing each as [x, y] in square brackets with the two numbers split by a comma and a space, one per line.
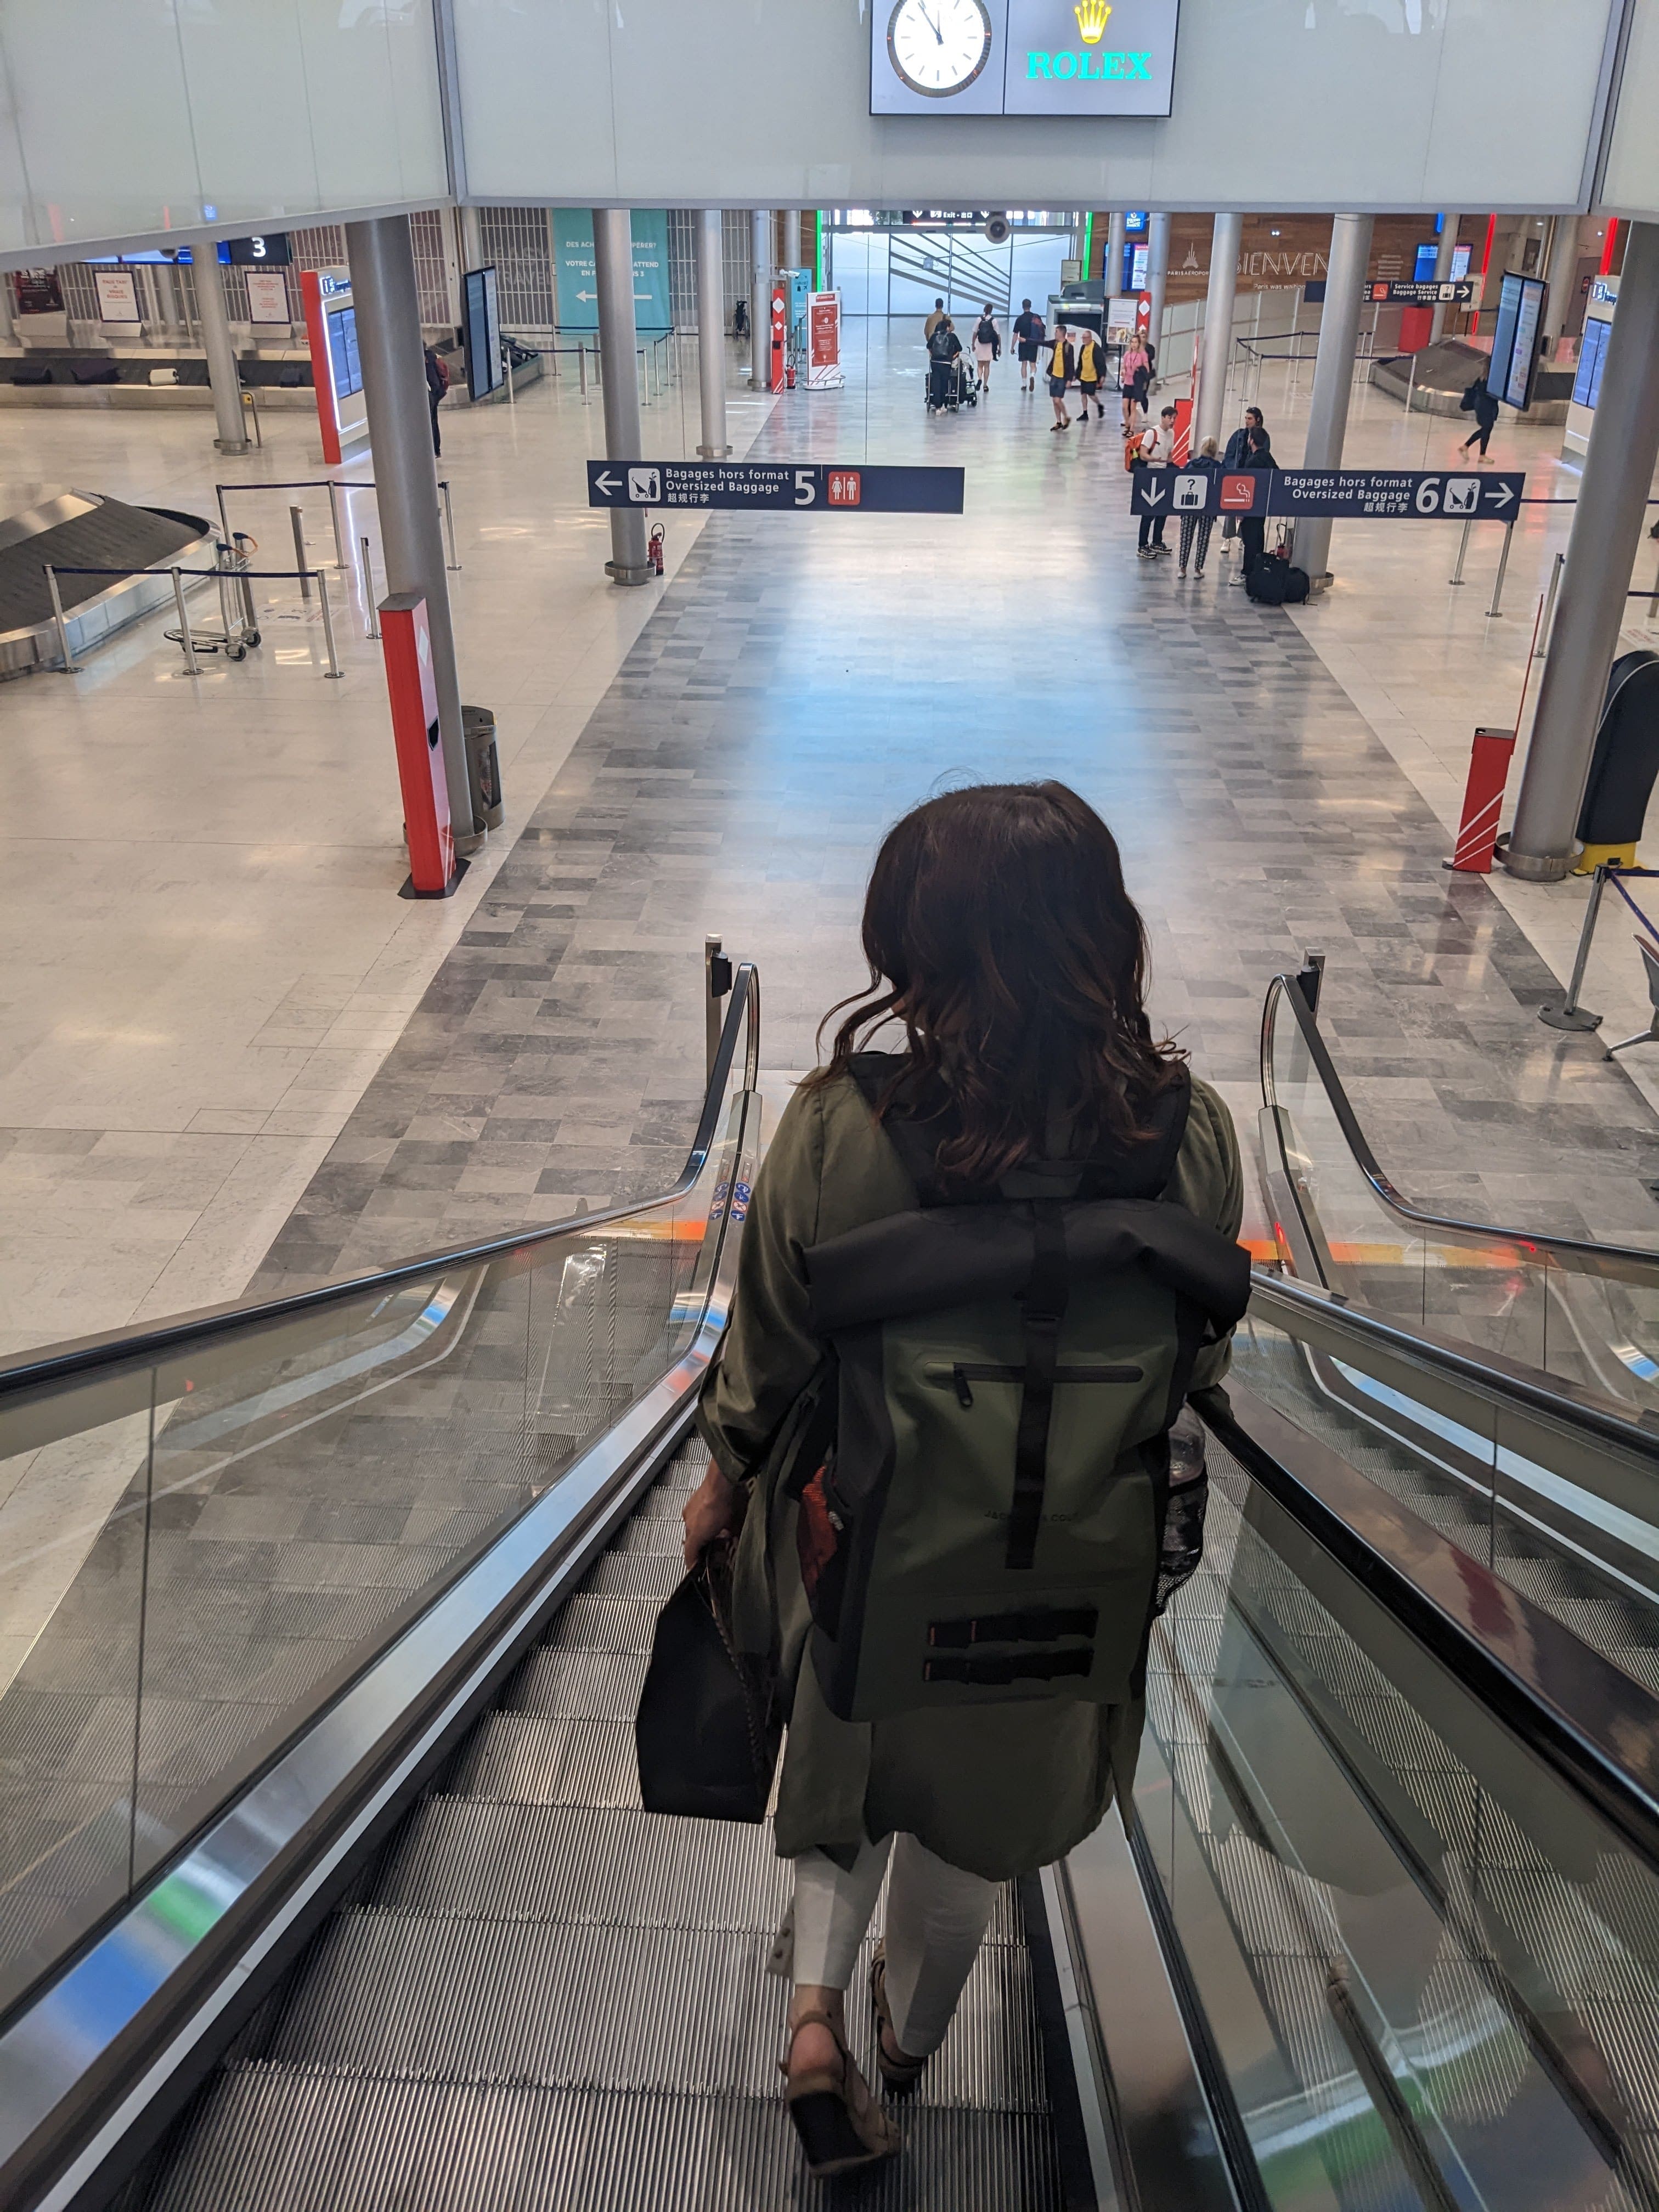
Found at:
[879, 1076]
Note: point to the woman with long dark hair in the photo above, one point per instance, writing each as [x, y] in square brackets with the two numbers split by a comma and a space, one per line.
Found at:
[1008, 968]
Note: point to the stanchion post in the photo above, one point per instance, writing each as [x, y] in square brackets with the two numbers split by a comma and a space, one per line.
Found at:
[297, 517]
[1497, 607]
[339, 534]
[334, 667]
[186, 641]
[1456, 576]
[1410, 383]
[449, 521]
[1570, 1015]
[224, 519]
[70, 667]
[581, 368]
[1543, 647]
[366, 570]
[711, 1003]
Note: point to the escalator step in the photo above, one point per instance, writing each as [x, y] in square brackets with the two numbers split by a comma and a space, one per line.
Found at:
[607, 1624]
[574, 2006]
[534, 1759]
[477, 1856]
[577, 1685]
[654, 1575]
[286, 2141]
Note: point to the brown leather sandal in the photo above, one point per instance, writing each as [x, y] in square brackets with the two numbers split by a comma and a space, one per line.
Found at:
[901, 2073]
[840, 2124]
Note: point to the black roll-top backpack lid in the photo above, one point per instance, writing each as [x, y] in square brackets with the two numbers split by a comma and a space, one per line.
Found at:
[982, 1518]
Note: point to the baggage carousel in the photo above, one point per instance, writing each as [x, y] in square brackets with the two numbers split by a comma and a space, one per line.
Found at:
[73, 529]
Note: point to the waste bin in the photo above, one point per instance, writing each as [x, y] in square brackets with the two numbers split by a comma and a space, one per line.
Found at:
[484, 769]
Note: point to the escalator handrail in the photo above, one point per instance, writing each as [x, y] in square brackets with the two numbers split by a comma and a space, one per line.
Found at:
[1488, 1376]
[1573, 1255]
[57, 1365]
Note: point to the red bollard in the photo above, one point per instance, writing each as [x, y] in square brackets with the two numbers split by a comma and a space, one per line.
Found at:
[1483, 798]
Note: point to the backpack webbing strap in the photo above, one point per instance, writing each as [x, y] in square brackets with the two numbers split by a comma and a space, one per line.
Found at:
[1038, 1625]
[995, 1671]
[1042, 1309]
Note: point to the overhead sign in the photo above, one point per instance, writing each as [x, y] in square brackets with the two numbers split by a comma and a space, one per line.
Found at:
[1357, 495]
[577, 286]
[1431, 295]
[1022, 56]
[270, 251]
[780, 487]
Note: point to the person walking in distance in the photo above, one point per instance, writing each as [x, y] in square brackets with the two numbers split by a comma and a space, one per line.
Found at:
[1062, 367]
[987, 344]
[1005, 948]
[1157, 451]
[1028, 335]
[1091, 374]
[1133, 371]
[1481, 404]
[1196, 526]
[437, 383]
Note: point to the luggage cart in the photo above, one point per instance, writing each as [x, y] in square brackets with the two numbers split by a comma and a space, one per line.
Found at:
[238, 624]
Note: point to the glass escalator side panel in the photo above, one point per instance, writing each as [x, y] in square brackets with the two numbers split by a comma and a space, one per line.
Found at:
[227, 1537]
[1429, 1969]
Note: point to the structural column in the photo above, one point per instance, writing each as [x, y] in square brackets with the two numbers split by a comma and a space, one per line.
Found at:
[1443, 268]
[1218, 328]
[1158, 270]
[381, 256]
[1333, 383]
[792, 238]
[711, 334]
[760, 298]
[613, 272]
[1606, 528]
[1559, 279]
[227, 384]
[1115, 244]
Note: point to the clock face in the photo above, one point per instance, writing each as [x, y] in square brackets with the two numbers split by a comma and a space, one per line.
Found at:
[939, 46]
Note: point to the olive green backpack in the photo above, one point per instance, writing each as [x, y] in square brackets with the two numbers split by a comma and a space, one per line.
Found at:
[982, 1462]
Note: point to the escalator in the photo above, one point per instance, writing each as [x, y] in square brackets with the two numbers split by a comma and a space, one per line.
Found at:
[325, 1883]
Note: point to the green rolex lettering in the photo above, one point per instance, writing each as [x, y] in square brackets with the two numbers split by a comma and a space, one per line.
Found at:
[1140, 66]
[1036, 64]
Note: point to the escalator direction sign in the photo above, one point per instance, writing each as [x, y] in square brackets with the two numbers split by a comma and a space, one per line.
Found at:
[1353, 495]
[775, 487]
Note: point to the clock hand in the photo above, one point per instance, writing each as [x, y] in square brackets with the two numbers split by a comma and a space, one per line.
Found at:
[931, 24]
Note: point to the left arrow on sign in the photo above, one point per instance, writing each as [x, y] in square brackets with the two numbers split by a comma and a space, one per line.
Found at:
[606, 481]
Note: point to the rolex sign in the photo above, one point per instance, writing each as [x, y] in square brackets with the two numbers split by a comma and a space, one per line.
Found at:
[1022, 56]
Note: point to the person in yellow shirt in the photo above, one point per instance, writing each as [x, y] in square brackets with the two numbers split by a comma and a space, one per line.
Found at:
[1091, 374]
[1062, 369]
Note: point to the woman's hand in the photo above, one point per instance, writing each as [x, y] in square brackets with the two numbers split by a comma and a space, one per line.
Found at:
[708, 1513]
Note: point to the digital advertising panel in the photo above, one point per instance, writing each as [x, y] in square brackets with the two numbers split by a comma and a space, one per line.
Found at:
[1022, 56]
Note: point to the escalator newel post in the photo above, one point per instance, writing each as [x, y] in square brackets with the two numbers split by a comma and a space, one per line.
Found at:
[1570, 1015]
[1310, 976]
[717, 981]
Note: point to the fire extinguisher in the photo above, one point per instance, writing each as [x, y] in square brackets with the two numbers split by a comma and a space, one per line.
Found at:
[654, 547]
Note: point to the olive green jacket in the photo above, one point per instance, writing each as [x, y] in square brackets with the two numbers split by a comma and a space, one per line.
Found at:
[997, 1789]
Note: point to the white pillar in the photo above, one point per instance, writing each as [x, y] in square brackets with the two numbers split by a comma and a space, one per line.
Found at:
[1158, 270]
[222, 376]
[1327, 411]
[1218, 328]
[1606, 528]
[1560, 278]
[791, 239]
[613, 273]
[381, 256]
[1443, 265]
[1114, 241]
[711, 334]
[760, 298]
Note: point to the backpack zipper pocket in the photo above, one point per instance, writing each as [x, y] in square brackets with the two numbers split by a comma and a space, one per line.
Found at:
[965, 1372]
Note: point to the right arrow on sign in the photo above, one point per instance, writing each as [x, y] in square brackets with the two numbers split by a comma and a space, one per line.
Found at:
[1501, 496]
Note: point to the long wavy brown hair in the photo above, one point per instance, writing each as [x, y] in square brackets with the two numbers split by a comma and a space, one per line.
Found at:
[1000, 935]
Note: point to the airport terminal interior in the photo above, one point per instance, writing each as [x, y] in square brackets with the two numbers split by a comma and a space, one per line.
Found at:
[494, 533]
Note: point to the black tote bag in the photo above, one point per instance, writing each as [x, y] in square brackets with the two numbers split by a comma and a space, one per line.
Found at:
[708, 1725]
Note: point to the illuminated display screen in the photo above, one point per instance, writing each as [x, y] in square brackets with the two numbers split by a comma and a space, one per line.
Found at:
[1587, 384]
[343, 351]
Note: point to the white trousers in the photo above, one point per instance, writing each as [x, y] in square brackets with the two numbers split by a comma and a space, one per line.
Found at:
[937, 1917]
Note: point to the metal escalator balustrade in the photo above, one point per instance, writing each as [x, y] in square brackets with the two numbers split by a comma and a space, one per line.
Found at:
[1494, 1398]
[279, 1542]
